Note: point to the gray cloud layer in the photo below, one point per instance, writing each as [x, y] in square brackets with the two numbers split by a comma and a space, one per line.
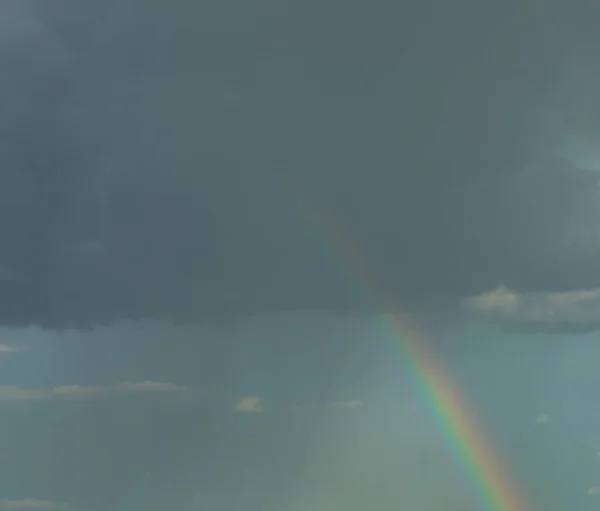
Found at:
[152, 153]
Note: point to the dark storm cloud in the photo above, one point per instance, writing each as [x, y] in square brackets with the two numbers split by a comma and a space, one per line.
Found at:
[152, 153]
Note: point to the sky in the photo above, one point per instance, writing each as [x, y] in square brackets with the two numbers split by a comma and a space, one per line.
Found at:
[207, 210]
[298, 411]
[164, 161]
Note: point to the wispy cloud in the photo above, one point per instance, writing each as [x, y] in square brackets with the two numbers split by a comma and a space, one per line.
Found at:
[250, 404]
[32, 504]
[13, 393]
[578, 308]
[7, 348]
[149, 386]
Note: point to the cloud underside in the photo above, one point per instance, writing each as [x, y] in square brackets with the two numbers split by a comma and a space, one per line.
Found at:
[569, 311]
[14, 393]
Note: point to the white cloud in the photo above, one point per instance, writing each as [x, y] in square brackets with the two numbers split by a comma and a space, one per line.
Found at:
[32, 504]
[6, 348]
[577, 308]
[149, 386]
[250, 404]
[593, 491]
[13, 393]
[498, 301]
[541, 419]
[348, 404]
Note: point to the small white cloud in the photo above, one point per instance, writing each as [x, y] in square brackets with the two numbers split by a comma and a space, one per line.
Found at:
[579, 307]
[32, 504]
[541, 419]
[498, 301]
[250, 404]
[11, 393]
[6, 348]
[348, 404]
[593, 491]
[150, 386]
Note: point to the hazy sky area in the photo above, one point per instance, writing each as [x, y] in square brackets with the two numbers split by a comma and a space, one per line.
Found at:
[295, 412]
[202, 204]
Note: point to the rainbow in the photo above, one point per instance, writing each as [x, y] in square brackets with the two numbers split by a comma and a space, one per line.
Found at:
[481, 467]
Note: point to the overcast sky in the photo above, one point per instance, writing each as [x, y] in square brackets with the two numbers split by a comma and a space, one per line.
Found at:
[155, 156]
[222, 192]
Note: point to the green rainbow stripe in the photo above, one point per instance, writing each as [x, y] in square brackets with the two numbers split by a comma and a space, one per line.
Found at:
[443, 400]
